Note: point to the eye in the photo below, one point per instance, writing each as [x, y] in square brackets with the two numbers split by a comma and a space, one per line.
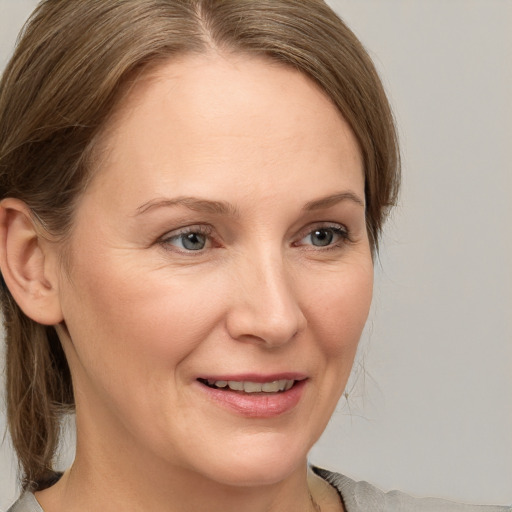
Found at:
[324, 236]
[191, 239]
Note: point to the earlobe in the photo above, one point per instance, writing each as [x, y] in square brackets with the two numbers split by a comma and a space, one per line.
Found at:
[26, 261]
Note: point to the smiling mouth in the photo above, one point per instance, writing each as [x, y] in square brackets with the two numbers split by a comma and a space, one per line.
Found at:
[276, 386]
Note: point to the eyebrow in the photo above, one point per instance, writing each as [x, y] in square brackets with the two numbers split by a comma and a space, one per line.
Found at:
[225, 208]
[192, 203]
[332, 200]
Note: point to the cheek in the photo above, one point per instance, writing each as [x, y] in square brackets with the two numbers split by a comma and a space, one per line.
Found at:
[133, 320]
[340, 304]
[338, 307]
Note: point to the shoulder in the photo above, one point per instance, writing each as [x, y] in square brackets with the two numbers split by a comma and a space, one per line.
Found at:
[362, 496]
[356, 497]
[27, 503]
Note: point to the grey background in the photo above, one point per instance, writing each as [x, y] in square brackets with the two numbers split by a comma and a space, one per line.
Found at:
[431, 411]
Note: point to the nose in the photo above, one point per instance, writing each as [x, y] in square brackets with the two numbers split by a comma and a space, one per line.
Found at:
[264, 306]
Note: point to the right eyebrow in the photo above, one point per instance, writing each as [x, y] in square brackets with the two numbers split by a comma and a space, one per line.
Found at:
[192, 203]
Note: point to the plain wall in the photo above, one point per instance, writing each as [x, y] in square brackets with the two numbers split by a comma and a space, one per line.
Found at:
[431, 412]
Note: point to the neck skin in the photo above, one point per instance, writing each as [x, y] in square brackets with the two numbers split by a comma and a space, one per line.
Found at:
[304, 491]
[118, 476]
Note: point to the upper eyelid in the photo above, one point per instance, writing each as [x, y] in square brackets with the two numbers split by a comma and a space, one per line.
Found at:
[203, 229]
[322, 225]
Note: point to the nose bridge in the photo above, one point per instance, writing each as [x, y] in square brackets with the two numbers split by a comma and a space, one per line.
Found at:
[267, 305]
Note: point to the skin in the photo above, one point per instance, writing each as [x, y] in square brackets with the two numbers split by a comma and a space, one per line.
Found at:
[142, 317]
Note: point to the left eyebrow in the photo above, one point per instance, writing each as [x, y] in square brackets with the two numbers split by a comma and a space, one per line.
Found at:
[327, 202]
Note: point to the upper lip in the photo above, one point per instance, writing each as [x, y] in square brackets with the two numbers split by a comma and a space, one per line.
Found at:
[255, 377]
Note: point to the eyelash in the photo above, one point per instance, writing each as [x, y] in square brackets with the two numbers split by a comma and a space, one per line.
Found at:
[207, 231]
[340, 231]
[204, 230]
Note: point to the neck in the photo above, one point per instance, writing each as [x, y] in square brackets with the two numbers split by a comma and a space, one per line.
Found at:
[179, 493]
[100, 480]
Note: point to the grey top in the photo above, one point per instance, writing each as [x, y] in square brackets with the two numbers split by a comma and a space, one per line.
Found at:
[356, 497]
[364, 497]
[27, 503]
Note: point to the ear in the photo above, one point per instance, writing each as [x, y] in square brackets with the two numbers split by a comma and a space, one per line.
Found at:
[28, 263]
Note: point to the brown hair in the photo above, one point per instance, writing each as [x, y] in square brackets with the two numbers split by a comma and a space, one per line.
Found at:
[60, 88]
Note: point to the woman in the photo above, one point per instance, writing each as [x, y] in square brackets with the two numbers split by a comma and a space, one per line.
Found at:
[192, 197]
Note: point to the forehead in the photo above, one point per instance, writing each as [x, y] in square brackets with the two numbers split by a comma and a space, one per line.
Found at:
[203, 118]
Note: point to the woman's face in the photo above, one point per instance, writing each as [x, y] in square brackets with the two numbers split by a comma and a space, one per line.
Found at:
[220, 272]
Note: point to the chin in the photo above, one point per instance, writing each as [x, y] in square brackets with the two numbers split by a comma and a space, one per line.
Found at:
[259, 465]
[255, 475]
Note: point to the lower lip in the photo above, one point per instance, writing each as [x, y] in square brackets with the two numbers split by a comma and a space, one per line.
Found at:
[257, 405]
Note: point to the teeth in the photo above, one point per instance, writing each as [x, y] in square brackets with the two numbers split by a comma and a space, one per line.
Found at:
[236, 386]
[253, 387]
[270, 387]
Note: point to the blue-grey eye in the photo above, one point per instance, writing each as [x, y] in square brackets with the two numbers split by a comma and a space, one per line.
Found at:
[321, 237]
[192, 241]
